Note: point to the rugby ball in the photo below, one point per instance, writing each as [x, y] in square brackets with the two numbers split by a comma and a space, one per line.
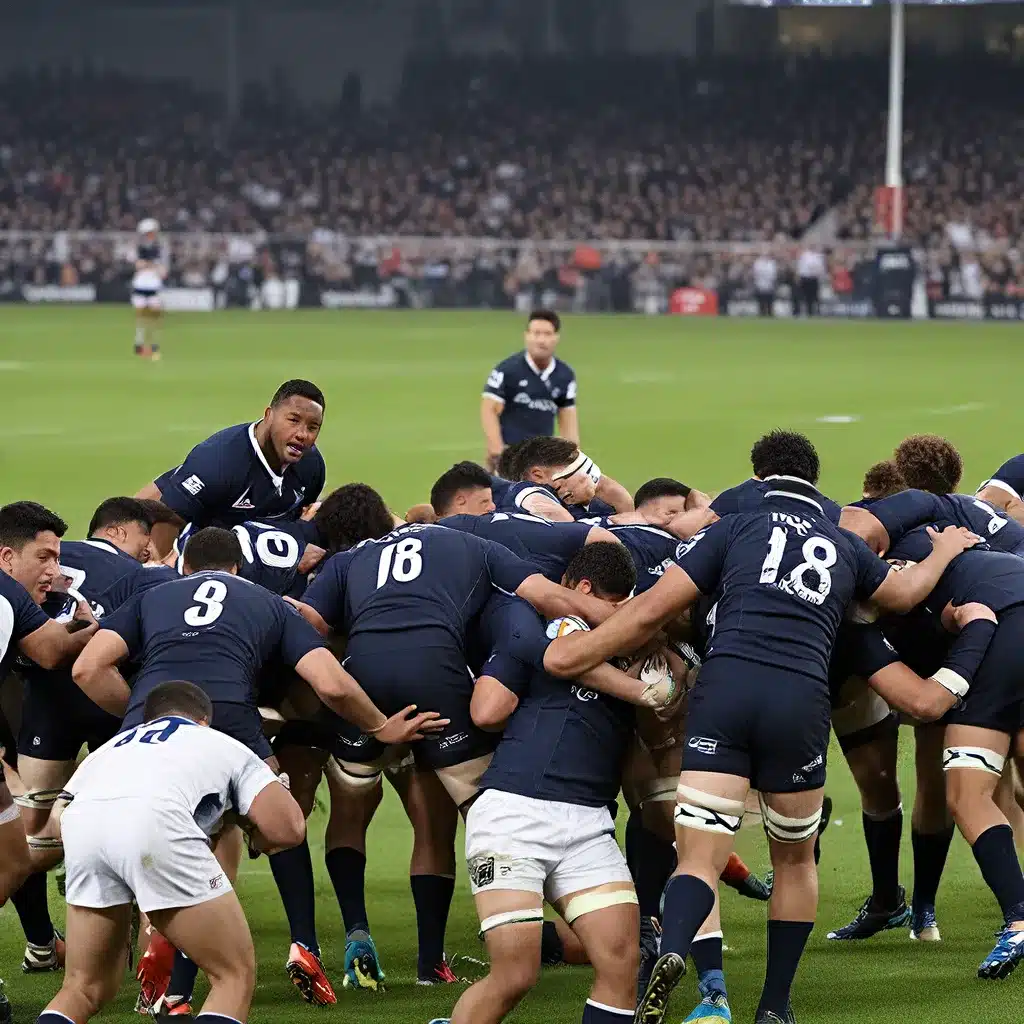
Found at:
[564, 626]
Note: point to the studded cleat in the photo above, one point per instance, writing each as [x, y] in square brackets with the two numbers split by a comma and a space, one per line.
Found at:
[923, 926]
[307, 974]
[667, 973]
[362, 963]
[40, 959]
[650, 950]
[440, 974]
[712, 1009]
[870, 921]
[1004, 959]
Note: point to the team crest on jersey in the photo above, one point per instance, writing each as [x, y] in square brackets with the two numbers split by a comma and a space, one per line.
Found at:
[481, 871]
[243, 502]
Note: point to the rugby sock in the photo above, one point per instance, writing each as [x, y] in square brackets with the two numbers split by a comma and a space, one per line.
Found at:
[997, 857]
[293, 873]
[347, 868]
[882, 833]
[53, 1017]
[218, 1018]
[552, 950]
[183, 978]
[432, 895]
[33, 912]
[655, 861]
[706, 952]
[930, 850]
[688, 901]
[140, 339]
[786, 941]
[598, 1013]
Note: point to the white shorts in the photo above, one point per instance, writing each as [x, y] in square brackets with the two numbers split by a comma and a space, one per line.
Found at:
[552, 849]
[146, 300]
[118, 849]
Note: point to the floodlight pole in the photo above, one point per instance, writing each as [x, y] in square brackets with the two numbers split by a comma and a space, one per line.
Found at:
[894, 138]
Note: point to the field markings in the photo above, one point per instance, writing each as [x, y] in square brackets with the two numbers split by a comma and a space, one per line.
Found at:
[838, 419]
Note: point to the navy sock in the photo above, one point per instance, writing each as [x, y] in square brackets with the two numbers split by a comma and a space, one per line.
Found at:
[882, 835]
[688, 901]
[930, 851]
[293, 873]
[347, 868]
[706, 952]
[432, 895]
[786, 941]
[218, 1018]
[53, 1017]
[33, 912]
[183, 977]
[552, 949]
[997, 857]
[655, 861]
[598, 1013]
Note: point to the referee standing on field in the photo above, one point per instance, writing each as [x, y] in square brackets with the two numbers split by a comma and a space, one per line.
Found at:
[526, 392]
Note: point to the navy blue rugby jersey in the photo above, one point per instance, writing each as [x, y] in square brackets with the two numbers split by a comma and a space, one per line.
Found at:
[531, 397]
[226, 480]
[513, 497]
[1008, 477]
[99, 571]
[213, 629]
[900, 513]
[784, 575]
[418, 576]
[747, 497]
[651, 548]
[861, 649]
[19, 616]
[548, 546]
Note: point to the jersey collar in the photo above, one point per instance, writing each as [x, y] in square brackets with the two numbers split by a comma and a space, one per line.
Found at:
[276, 479]
[795, 488]
[545, 373]
[103, 545]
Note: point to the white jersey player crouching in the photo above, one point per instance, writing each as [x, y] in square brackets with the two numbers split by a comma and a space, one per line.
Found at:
[137, 816]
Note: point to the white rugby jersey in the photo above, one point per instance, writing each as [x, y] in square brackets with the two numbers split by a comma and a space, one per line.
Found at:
[173, 764]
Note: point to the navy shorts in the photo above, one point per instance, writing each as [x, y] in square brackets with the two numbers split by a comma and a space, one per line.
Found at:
[241, 722]
[58, 719]
[996, 698]
[764, 724]
[425, 667]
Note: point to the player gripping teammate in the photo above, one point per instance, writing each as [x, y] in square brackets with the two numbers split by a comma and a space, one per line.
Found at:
[147, 283]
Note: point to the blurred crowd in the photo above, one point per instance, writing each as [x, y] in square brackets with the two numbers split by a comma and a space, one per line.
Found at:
[544, 151]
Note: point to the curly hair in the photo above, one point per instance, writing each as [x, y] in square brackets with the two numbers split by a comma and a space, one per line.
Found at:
[351, 514]
[929, 463]
[882, 480]
[785, 453]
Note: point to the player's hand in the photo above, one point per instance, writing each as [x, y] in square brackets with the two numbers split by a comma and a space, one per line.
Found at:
[956, 617]
[311, 557]
[953, 540]
[83, 611]
[408, 726]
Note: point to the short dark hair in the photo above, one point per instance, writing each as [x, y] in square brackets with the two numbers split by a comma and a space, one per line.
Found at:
[544, 451]
[785, 453]
[929, 463]
[660, 487]
[119, 511]
[350, 514]
[508, 461]
[158, 512]
[213, 548]
[301, 389]
[607, 565]
[545, 314]
[178, 697]
[22, 521]
[882, 480]
[463, 476]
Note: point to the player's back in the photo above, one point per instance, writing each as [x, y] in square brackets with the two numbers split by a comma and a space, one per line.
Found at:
[98, 571]
[748, 495]
[198, 770]
[513, 500]
[549, 546]
[651, 549]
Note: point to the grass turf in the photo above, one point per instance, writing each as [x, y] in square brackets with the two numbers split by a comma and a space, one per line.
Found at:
[82, 419]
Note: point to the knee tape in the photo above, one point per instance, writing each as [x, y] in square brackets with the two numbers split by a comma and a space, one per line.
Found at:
[41, 843]
[707, 812]
[38, 799]
[978, 758]
[788, 830]
[659, 791]
[531, 916]
[589, 902]
[357, 777]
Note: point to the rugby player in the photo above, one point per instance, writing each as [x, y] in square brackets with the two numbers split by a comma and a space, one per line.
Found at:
[784, 561]
[525, 393]
[147, 283]
[270, 469]
[1004, 488]
[126, 840]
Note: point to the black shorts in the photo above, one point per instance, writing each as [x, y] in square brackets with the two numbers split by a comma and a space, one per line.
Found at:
[241, 722]
[333, 734]
[425, 667]
[764, 724]
[996, 698]
[58, 719]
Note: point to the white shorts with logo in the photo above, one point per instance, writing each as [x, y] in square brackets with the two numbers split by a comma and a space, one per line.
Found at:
[552, 849]
[118, 849]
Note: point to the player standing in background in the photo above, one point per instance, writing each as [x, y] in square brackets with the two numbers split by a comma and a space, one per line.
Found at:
[147, 283]
[527, 392]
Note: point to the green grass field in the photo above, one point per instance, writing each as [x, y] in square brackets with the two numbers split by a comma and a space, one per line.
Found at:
[81, 420]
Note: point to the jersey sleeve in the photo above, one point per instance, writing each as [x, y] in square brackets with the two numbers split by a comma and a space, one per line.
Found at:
[567, 399]
[870, 651]
[19, 614]
[518, 650]
[726, 504]
[1008, 477]
[126, 622]
[870, 570]
[198, 486]
[506, 570]
[298, 637]
[495, 387]
[326, 594]
[250, 777]
[703, 556]
[900, 513]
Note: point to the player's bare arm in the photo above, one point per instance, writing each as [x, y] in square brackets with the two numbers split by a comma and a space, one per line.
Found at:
[54, 644]
[569, 424]
[96, 674]
[867, 526]
[1002, 499]
[554, 601]
[490, 421]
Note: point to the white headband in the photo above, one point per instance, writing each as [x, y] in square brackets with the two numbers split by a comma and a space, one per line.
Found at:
[581, 464]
